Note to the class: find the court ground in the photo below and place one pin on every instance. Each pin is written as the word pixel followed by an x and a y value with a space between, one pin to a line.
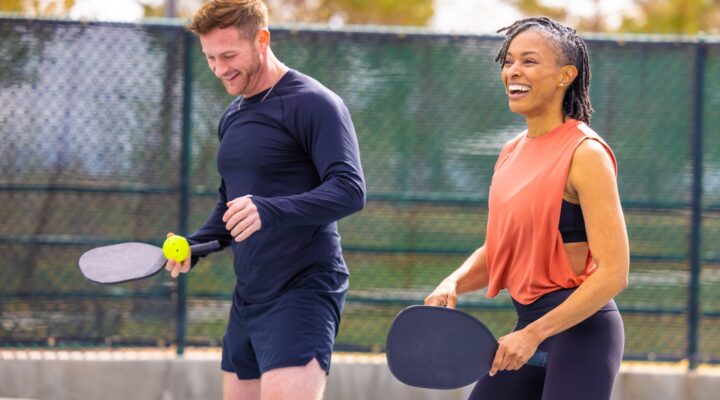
pixel 160 374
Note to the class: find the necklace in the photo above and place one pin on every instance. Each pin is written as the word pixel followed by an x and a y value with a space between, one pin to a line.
pixel 263 98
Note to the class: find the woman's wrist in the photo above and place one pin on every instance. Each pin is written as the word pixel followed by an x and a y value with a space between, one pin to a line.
pixel 536 332
pixel 451 281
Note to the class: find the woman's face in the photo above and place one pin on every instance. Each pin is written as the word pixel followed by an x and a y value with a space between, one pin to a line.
pixel 531 75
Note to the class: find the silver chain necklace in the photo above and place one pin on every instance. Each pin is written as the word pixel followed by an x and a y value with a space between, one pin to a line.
pixel 263 98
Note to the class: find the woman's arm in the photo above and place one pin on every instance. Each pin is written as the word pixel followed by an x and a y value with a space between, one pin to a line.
pixel 472 275
pixel 592 175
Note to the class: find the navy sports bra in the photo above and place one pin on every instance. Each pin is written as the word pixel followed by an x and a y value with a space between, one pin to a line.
pixel 572 223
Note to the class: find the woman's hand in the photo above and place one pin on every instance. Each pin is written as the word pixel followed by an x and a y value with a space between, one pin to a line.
pixel 514 350
pixel 443 295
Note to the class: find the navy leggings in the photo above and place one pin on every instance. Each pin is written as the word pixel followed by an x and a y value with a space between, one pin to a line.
pixel 582 361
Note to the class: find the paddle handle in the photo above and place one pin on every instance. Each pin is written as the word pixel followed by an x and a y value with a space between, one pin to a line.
pixel 539 359
pixel 206 248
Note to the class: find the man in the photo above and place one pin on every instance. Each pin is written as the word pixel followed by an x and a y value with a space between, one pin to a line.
pixel 290 168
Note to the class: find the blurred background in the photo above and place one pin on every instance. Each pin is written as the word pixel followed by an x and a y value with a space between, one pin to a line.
pixel 108 117
pixel 636 16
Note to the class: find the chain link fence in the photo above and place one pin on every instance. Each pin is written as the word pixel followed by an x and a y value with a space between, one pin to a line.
pixel 108 134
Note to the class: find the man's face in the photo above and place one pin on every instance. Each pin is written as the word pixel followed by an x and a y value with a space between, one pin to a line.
pixel 233 59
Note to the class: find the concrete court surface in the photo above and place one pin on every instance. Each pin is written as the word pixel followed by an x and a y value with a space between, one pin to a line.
pixel 159 374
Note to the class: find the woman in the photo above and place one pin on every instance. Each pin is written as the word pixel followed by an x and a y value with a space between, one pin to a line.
pixel 556 237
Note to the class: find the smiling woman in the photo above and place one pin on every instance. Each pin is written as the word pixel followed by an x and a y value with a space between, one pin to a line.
pixel 553 198
pixel 544 53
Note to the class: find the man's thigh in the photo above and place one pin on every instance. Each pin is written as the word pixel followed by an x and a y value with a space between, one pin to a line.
pixel 236 389
pixel 290 331
pixel 298 327
pixel 297 383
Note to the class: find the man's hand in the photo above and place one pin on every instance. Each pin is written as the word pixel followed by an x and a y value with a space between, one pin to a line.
pixel 242 218
pixel 175 268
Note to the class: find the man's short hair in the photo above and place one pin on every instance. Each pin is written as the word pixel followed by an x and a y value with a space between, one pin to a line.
pixel 249 16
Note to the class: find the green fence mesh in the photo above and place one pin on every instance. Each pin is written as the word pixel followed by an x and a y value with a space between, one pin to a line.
pixel 94 119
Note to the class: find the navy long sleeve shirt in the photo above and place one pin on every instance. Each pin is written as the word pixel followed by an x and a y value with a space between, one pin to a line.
pixel 297 154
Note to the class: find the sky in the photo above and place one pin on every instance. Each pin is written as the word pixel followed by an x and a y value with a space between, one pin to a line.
pixel 477 16
pixel 120 10
pixel 486 16
pixel 612 10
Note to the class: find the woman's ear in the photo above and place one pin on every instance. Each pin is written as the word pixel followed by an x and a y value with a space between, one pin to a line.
pixel 568 74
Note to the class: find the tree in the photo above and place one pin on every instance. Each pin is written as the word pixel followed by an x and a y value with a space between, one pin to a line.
pixel 37 7
pixel 596 22
pixel 535 7
pixel 653 16
pixel 381 12
pixel 674 16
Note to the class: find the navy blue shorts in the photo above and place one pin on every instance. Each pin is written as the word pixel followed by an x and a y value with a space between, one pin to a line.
pixel 582 361
pixel 289 331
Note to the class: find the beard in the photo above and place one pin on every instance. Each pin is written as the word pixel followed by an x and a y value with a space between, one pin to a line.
pixel 247 79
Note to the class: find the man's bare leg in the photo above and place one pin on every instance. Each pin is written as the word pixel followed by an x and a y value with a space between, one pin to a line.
pixel 294 383
pixel 240 389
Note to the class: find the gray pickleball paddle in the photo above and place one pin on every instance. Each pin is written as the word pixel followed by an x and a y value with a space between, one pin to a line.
pixel 125 262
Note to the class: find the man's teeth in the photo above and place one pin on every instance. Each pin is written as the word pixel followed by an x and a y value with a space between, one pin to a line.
pixel 518 88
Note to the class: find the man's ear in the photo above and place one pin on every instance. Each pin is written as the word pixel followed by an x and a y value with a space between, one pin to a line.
pixel 262 40
pixel 568 74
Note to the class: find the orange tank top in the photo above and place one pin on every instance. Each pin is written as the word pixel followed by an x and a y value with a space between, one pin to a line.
pixel 525 251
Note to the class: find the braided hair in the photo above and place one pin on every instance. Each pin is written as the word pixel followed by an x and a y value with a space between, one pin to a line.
pixel 571 50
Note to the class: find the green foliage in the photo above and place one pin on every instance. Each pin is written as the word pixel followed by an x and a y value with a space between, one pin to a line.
pixel 36 7
pixel 13 6
pixel 595 23
pixel 378 12
pixel 150 11
pixel 386 12
pixel 653 16
pixel 674 17
pixel 535 7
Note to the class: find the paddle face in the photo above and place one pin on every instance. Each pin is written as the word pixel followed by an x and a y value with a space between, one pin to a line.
pixel 442 348
pixel 122 262
pixel 439 348
pixel 125 262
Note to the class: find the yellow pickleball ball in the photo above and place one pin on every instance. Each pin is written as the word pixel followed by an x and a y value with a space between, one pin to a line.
pixel 176 248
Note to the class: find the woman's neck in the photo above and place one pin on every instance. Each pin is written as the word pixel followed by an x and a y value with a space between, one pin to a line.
pixel 540 125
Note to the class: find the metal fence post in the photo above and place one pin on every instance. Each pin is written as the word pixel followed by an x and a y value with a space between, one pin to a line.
pixel 696 204
pixel 181 309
